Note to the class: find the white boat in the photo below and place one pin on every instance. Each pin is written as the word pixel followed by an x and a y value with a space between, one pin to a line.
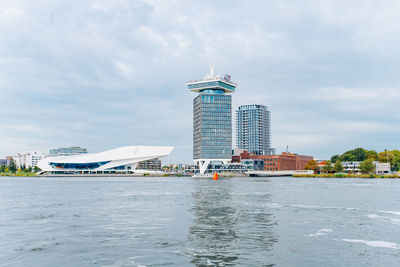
pixel 205 175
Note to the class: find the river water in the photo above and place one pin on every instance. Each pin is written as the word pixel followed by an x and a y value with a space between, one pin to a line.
pixel 121 221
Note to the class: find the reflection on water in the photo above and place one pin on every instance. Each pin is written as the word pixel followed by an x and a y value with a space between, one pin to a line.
pixel 229 226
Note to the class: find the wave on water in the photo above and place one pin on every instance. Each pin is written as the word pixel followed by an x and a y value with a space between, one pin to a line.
pixel 390 212
pixel 347 208
pixel 322 231
pixel 274 205
pixel 376 216
pixel 379 244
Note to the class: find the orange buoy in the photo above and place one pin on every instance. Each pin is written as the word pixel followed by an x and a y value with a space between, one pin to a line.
pixel 215 177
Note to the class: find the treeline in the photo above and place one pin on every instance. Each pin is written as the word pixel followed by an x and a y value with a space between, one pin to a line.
pixel 367 156
pixel 12 168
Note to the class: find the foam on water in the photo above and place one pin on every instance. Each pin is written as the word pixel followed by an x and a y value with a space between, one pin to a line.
pixel 274 205
pixel 390 212
pixel 379 244
pixel 375 216
pixel 347 208
pixel 322 231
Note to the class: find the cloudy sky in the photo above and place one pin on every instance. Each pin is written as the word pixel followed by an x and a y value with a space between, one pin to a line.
pixel 102 74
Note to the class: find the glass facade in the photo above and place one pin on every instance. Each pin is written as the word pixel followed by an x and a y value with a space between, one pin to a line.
pixel 67 151
pixel 212 125
pixel 78 166
pixel 212 118
pixel 253 132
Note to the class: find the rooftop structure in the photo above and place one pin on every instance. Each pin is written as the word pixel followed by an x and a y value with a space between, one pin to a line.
pixel 67 151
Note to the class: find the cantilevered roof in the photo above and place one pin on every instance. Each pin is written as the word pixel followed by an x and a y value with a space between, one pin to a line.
pixel 212 83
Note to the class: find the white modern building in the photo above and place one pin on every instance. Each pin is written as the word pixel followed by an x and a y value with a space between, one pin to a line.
pixel 120 160
pixel 27 159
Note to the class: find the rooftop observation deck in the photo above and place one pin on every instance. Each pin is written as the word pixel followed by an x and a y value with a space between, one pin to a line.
pixel 212 83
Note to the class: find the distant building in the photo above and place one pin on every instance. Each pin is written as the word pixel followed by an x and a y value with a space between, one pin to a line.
pixel 212 119
pixel 151 164
pixel 253 164
pixel 351 166
pixel 67 151
pixel 354 167
pixel 9 159
pixel 382 168
pixel 3 161
pixel 27 159
pixel 253 129
pixel 283 162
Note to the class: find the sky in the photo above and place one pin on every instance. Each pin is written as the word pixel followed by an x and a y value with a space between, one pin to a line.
pixel 103 74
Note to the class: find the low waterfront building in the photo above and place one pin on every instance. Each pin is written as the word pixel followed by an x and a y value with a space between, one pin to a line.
pixel 151 164
pixel 235 167
pixel 351 166
pixel 119 160
pixel 27 159
pixel 382 168
pixel 283 162
pixel 253 164
pixel 3 161
pixel 8 160
pixel 67 151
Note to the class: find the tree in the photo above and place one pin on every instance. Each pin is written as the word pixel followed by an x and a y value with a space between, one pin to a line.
pixel 335 158
pixel 360 154
pixel 36 169
pixel 327 167
pixel 357 154
pixel 338 167
pixel 395 164
pixel 367 166
pixel 347 156
pixel 371 154
pixel 13 167
pixel 2 168
pixel 311 165
pixel 385 156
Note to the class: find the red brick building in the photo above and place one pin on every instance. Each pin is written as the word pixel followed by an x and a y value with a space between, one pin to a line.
pixel 282 162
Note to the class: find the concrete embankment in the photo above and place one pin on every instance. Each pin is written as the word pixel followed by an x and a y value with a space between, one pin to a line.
pixel 279 173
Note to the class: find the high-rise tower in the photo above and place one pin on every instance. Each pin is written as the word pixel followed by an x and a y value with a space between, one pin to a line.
pixel 253 132
pixel 212 119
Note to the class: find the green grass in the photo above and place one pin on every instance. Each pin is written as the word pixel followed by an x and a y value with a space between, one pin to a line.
pixel 19 174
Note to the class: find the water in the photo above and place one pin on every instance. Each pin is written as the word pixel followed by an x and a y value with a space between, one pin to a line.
pixel 120 221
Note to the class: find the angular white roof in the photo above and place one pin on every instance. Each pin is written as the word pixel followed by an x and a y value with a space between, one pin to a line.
pixel 121 153
pixel 126 155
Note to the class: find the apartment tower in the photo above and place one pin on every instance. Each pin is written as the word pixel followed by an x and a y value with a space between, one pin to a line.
pixel 253 130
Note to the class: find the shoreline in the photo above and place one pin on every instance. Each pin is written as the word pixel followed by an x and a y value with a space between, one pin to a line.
pixel 340 175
